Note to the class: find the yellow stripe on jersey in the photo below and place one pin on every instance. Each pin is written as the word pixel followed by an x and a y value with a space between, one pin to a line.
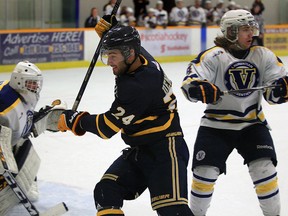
pixel 110 177
pixel 111 125
pixel 205 53
pixel 3 84
pixel 150 118
pixel 15 104
pixel 98 129
pixel 110 212
pixel 155 129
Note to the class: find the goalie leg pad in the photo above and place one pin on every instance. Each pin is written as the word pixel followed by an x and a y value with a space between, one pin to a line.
pixel 204 178
pixel 28 162
pixel 264 176
pixel 6 150
pixel 7 199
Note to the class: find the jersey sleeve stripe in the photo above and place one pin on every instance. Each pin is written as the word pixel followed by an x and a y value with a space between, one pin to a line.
pixel 98 129
pixel 111 125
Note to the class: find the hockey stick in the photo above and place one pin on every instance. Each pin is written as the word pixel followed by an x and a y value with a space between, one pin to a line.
pixel 57 210
pixel 259 88
pixel 92 63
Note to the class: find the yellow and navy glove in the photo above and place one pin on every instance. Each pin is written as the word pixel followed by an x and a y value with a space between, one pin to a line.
pixel 282 90
pixel 201 90
pixel 105 23
pixel 70 120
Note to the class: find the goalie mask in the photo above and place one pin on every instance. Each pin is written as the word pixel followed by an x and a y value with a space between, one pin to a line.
pixel 233 20
pixel 123 38
pixel 27 80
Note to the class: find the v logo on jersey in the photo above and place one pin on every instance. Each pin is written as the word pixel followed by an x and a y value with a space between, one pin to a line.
pixel 243 77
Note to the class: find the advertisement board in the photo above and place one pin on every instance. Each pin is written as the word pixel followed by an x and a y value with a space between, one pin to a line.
pixel 41 47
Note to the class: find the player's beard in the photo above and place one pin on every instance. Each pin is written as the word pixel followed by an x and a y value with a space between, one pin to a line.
pixel 121 68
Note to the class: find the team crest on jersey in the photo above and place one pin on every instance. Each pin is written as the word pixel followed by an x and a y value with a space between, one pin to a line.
pixel 29 123
pixel 200 155
pixel 241 75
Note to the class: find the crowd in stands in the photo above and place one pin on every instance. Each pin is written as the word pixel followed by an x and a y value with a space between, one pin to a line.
pixel 176 13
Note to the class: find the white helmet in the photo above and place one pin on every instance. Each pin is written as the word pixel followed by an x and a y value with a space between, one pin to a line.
pixel 27 80
pixel 233 19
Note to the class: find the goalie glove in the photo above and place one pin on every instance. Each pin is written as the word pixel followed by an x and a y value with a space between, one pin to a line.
pixel 105 23
pixel 70 120
pixel 47 117
pixel 201 90
pixel 281 91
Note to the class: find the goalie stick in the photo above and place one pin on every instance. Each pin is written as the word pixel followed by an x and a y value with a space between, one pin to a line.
pixel 56 210
pixel 259 88
pixel 92 63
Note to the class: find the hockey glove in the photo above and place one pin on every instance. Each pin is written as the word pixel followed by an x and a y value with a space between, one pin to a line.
pixel 70 120
pixel 105 23
pixel 47 117
pixel 281 91
pixel 198 90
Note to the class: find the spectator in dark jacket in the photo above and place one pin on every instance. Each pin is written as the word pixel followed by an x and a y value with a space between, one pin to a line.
pixel 92 20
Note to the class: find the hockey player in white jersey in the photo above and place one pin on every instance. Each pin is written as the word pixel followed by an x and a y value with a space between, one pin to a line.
pixel 235 121
pixel 18 98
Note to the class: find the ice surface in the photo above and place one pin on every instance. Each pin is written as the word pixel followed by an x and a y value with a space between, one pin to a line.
pixel 71 166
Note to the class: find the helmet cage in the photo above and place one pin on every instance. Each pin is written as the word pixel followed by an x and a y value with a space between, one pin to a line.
pixel 230 25
pixel 27 80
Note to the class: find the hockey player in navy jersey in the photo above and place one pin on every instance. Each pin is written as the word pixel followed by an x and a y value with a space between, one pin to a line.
pixel 235 121
pixel 18 99
pixel 145 111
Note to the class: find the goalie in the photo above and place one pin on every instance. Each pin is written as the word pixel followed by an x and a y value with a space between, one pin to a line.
pixel 18 99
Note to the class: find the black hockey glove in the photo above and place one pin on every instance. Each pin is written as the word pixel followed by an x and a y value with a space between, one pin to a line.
pixel 70 120
pixel 105 23
pixel 281 91
pixel 202 91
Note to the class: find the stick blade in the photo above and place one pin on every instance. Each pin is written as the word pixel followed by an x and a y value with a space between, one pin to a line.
pixel 56 210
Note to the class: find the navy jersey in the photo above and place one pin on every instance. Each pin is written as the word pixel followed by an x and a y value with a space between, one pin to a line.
pixel 144 109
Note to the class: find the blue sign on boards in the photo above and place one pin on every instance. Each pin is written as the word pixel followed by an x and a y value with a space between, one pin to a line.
pixel 42 47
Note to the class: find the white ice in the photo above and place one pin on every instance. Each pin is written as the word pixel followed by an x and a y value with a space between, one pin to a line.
pixel 71 166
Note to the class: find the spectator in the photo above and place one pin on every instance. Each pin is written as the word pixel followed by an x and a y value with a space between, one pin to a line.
pixel 179 14
pixel 257 12
pixel 128 18
pixel 260 3
pixel 219 12
pixel 92 20
pixel 161 15
pixel 231 6
pixel 150 21
pixel 197 15
pixel 140 10
pixel 107 9
pixel 209 10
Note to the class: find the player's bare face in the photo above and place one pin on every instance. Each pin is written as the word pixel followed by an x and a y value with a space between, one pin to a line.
pixel 245 36
pixel 116 61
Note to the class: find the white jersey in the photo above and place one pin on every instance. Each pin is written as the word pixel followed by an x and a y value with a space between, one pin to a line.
pixel 14 113
pixel 259 68
pixel 162 17
pixel 179 14
pixel 197 15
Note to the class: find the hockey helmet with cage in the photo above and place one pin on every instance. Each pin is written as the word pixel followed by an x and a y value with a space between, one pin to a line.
pixel 233 19
pixel 123 38
pixel 27 80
